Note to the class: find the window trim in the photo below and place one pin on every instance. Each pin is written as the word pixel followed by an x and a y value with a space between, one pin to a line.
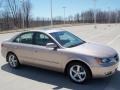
pixel 33 38
pixel 14 40
pixel 47 36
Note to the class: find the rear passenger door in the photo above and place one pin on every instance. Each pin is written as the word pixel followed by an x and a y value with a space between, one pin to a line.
pixel 23 47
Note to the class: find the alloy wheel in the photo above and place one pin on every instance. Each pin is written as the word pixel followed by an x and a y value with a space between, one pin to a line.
pixel 12 59
pixel 77 73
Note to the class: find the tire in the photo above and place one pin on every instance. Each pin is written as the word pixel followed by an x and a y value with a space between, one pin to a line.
pixel 78 72
pixel 13 60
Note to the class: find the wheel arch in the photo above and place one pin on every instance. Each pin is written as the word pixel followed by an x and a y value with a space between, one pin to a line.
pixel 79 61
pixel 9 52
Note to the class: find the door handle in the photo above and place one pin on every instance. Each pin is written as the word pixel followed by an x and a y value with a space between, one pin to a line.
pixel 17 47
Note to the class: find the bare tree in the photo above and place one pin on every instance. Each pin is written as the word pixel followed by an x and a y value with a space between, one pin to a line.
pixel 27 12
pixel 13 14
pixel 77 17
pixel 13 6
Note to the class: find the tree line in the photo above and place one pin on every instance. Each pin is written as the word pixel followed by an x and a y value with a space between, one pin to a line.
pixel 17 14
pixel 101 16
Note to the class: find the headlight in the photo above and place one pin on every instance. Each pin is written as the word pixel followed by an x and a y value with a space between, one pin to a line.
pixel 101 61
pixel 105 60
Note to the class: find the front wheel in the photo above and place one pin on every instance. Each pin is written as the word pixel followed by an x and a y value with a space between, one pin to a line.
pixel 12 60
pixel 78 72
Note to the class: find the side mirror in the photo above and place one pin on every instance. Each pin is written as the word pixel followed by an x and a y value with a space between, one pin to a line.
pixel 51 45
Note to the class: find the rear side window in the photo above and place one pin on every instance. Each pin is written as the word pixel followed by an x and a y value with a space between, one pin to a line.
pixel 26 38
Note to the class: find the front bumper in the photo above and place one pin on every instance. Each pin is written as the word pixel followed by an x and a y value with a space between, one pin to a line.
pixel 99 72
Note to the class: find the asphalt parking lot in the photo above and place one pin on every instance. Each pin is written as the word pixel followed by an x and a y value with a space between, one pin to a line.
pixel 30 78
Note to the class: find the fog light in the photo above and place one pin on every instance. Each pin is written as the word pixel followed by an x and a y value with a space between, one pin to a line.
pixel 108 73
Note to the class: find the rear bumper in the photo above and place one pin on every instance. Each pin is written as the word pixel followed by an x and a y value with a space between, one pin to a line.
pixel 4 52
pixel 99 72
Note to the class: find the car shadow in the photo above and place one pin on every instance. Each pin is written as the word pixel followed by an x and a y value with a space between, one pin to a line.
pixel 61 81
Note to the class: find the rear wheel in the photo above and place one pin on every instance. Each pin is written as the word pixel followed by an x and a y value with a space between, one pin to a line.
pixel 13 60
pixel 78 72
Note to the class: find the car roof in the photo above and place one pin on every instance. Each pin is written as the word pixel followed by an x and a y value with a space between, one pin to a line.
pixel 47 30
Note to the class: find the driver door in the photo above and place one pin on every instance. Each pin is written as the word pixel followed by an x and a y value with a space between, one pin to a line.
pixel 43 55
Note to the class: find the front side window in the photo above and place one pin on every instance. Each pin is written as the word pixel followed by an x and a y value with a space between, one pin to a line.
pixel 42 39
pixel 67 39
pixel 26 38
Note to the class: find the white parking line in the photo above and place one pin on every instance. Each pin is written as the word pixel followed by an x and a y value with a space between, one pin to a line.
pixel 113 40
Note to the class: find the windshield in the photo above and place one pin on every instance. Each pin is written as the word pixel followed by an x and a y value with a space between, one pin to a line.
pixel 67 39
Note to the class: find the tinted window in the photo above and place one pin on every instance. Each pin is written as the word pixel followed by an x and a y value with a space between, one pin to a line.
pixel 42 39
pixel 25 38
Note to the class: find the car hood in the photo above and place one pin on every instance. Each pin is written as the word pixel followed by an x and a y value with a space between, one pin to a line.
pixel 96 50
